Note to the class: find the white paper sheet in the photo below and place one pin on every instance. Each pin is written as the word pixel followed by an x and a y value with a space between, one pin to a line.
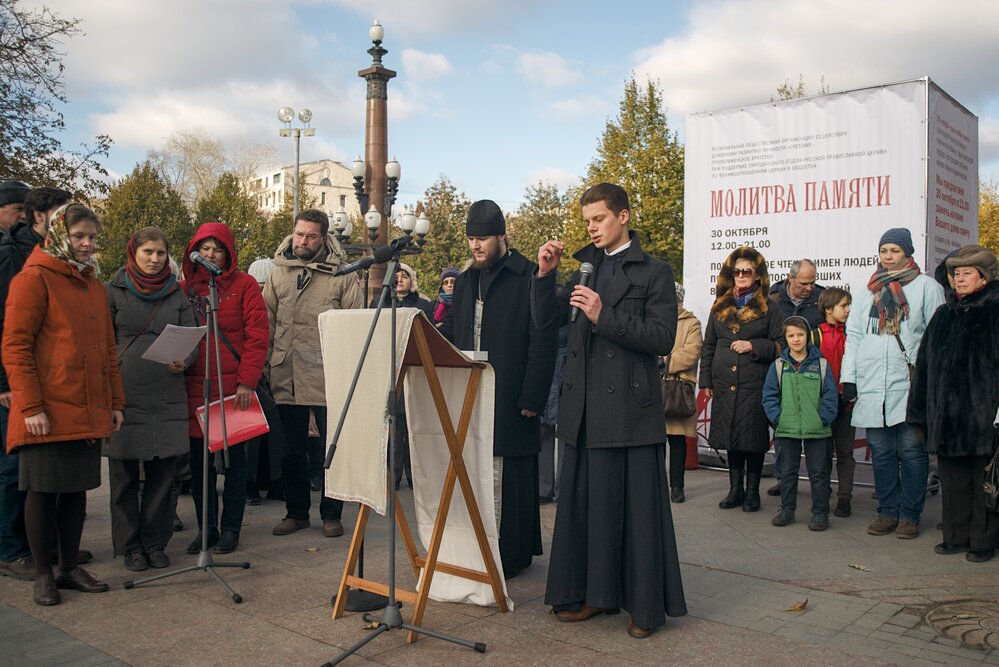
pixel 174 344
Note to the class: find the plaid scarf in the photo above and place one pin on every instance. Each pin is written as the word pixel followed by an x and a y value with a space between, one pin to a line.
pixel 57 243
pixel 890 307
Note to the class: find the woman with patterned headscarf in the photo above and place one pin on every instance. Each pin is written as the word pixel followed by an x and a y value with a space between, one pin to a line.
pixel 886 323
pixel 59 354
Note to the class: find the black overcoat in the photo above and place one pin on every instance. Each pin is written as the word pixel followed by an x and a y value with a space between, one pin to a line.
pixel 738 422
pixel 617 390
pixel 956 386
pixel 521 353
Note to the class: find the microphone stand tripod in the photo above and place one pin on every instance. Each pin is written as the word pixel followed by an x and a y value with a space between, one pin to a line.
pixel 391 618
pixel 205 560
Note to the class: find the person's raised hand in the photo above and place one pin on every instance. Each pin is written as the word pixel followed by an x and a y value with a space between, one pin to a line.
pixel 548 257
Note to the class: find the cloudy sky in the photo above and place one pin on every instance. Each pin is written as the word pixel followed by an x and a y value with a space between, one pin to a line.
pixel 494 95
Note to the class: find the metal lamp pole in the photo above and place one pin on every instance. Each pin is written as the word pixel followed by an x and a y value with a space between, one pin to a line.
pixel 286 115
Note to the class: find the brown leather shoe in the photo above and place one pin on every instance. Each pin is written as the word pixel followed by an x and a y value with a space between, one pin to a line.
pixel 46 593
pixel 585 613
pixel 287 526
pixel 637 632
pixel 22 568
pixel 906 530
pixel 80 580
pixel 332 528
pixel 882 526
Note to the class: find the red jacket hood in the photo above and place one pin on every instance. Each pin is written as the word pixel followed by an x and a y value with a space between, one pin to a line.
pixel 216 230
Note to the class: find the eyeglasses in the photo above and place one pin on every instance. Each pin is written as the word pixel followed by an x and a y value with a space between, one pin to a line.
pixel 743 272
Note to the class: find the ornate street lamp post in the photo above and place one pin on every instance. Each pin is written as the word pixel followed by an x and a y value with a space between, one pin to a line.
pixel 286 115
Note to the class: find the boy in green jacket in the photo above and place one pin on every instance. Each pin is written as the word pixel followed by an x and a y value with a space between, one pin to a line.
pixel 801 400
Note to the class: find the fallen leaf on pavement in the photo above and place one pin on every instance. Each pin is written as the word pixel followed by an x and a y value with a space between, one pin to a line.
pixel 799 606
pixel 858 566
pixel 312 550
pixel 962 616
pixel 372 626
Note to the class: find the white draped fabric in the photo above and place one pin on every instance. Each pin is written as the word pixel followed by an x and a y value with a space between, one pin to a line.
pixel 359 472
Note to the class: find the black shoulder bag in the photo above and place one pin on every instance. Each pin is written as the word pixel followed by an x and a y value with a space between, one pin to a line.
pixel 678 395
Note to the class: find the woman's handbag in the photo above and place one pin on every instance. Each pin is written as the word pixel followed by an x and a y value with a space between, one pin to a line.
pixel 678 395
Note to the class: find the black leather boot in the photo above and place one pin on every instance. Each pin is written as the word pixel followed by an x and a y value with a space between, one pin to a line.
pixel 735 493
pixel 752 501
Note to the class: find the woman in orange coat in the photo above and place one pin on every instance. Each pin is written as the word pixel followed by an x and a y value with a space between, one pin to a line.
pixel 59 353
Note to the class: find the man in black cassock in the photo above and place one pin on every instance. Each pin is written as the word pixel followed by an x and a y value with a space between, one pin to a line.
pixel 491 312
pixel 613 547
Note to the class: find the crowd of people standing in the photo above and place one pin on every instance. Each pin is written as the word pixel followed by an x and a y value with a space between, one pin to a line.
pixel 578 368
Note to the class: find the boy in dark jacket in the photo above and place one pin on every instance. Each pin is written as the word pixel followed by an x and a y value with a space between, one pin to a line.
pixel 800 400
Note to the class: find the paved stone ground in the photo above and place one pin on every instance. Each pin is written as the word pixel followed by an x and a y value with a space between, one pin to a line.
pixel 740 576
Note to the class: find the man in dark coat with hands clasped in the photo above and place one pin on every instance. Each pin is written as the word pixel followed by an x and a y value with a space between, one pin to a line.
pixel 613 545
pixel 491 312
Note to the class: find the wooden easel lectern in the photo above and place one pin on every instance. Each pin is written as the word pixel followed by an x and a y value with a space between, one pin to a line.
pixel 427 349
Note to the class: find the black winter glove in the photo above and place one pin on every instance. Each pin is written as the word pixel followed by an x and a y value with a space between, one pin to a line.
pixel 849 392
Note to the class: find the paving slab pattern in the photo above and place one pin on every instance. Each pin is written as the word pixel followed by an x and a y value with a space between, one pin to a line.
pixel 741 575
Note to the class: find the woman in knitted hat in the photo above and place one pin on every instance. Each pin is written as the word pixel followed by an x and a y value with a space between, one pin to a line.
pixel 953 400
pixel 886 322
pixel 445 292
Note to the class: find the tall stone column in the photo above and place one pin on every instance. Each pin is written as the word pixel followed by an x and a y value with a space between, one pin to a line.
pixel 376 148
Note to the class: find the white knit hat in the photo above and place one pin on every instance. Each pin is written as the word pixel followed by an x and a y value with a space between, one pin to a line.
pixel 260 269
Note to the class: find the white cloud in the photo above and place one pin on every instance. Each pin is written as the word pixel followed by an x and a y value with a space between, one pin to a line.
pixel 435 17
pixel 422 66
pixel 737 52
pixel 577 107
pixel 239 112
pixel 560 178
pixel 547 69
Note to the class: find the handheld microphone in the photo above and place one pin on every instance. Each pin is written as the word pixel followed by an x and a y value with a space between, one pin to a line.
pixel 585 273
pixel 380 256
pixel 208 266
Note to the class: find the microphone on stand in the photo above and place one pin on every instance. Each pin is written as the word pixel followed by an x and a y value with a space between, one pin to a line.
pixel 208 266
pixel 585 273
pixel 379 256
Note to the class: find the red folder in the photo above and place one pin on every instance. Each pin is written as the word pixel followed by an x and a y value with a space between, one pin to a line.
pixel 240 425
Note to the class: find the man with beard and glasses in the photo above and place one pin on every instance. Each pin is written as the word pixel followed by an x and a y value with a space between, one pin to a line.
pixel 300 287
pixel 491 312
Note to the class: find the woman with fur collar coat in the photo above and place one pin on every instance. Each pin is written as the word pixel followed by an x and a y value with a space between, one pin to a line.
pixel 740 342
pixel 953 397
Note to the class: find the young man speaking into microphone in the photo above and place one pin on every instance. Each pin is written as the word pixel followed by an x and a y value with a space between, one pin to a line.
pixel 613 547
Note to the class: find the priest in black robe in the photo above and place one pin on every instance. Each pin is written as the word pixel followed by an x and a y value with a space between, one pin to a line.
pixel 613 547
pixel 491 312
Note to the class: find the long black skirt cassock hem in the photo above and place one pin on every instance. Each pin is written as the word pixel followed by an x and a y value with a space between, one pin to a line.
pixel 520 524
pixel 614 544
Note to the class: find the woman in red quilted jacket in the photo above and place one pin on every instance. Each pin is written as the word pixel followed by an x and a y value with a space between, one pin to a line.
pixel 242 318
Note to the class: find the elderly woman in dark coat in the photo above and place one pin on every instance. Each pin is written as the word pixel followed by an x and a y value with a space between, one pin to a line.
pixel 145 298
pixel 953 399
pixel 740 343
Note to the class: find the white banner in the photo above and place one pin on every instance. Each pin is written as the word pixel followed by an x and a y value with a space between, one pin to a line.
pixel 952 211
pixel 820 177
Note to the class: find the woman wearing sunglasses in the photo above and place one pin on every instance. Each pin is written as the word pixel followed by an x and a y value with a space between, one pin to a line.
pixel 740 343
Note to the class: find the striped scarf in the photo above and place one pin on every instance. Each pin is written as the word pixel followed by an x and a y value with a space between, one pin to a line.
pixel 890 307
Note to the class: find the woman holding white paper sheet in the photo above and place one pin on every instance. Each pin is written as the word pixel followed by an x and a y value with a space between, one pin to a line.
pixel 145 297
pixel 243 328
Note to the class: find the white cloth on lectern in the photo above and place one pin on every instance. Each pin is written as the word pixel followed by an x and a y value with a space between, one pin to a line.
pixel 359 473
pixel 429 455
